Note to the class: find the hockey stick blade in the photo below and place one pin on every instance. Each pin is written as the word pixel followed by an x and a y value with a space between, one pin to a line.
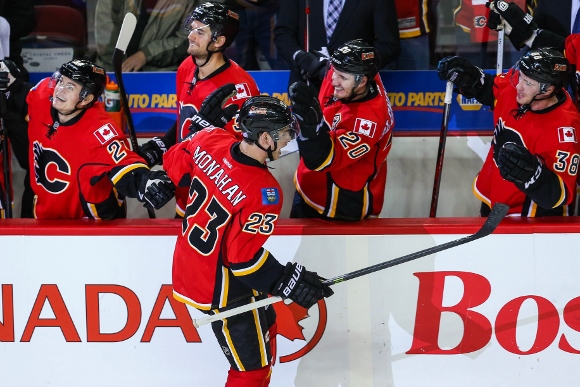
pixel 496 215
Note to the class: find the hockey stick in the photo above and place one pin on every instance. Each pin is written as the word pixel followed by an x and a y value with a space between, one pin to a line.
pixel 496 215
pixel 441 150
pixel 307 29
pixel 499 63
pixel 127 29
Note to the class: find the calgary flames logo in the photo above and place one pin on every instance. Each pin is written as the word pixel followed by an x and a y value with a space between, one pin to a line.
pixel 288 318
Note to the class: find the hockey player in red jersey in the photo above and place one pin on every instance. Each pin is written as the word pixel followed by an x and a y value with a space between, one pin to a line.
pixel 533 160
pixel 233 205
pixel 81 165
pixel 343 144
pixel 213 27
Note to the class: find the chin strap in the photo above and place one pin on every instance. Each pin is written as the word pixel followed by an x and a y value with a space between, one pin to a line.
pixel 269 151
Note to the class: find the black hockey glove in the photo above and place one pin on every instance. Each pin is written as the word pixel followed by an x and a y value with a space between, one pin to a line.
pixel 212 112
pixel 460 72
pixel 307 110
pixel 520 25
pixel 301 286
pixel 156 189
pixel 518 165
pixel 313 64
pixel 10 76
pixel 153 150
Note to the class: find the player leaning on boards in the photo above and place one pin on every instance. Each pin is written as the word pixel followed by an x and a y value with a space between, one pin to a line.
pixel 82 165
pixel 533 160
pixel 346 134
pixel 212 28
pixel 219 262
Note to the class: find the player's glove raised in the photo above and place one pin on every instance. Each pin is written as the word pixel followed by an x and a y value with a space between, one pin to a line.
pixel 10 76
pixel 519 26
pixel 153 150
pixel 212 111
pixel 312 63
pixel 156 189
pixel 301 286
pixel 518 165
pixel 307 110
pixel 460 72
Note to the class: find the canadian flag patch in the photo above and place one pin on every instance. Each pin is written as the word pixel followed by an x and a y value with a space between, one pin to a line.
pixel 105 133
pixel 567 134
pixel 365 127
pixel 242 91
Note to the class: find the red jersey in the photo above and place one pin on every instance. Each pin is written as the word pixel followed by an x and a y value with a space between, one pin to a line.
pixel 413 17
pixel 192 91
pixel 233 205
pixel 550 134
pixel 75 164
pixel 472 15
pixel 350 182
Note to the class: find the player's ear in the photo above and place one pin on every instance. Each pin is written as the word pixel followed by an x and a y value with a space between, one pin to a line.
pixel 87 100
pixel 550 89
pixel 220 41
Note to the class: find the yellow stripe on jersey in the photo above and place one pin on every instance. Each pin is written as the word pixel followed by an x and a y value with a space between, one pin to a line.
pixel 225 287
pixel 179 211
pixel 478 194
pixel 256 266
pixel 328 160
pixel 412 33
pixel 93 211
pixel 233 351
pixel 263 357
pixel 333 201
pixel 425 13
pixel 365 208
pixel 532 210
pixel 119 175
pixel 189 301
pixel 562 193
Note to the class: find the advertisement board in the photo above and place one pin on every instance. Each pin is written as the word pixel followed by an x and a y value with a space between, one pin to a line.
pixel 416 97
pixel 94 308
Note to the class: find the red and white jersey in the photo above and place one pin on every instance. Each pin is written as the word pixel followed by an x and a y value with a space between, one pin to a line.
pixel 472 16
pixel 553 135
pixel 413 17
pixel 191 93
pixel 233 205
pixel 350 182
pixel 74 164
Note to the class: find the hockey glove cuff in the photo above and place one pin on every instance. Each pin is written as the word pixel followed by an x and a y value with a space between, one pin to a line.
pixel 153 150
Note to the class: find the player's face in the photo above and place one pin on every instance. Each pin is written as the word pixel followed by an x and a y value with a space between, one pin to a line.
pixel 344 84
pixel 526 89
pixel 199 37
pixel 66 95
pixel 284 137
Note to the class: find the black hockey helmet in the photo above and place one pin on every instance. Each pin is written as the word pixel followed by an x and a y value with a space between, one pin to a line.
pixel 265 114
pixel 90 76
pixel 355 57
pixel 545 65
pixel 220 19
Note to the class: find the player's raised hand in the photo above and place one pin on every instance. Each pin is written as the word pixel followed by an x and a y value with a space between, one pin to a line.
pixel 313 64
pixel 212 111
pixel 306 108
pixel 519 25
pixel 460 72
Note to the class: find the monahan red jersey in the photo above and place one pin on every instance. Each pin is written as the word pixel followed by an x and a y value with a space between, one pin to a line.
pixel 75 164
pixel 350 181
pixel 233 205
pixel 192 91
pixel 413 17
pixel 552 134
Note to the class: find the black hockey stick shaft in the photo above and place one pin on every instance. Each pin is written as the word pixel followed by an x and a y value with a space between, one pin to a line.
pixel 498 212
pixel 127 29
pixel 5 160
pixel 496 215
pixel 441 150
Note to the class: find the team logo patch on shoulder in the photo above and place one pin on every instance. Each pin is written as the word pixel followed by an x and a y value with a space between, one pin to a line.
pixel 105 133
pixel 270 196
pixel 242 91
pixel 365 127
pixel 567 134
